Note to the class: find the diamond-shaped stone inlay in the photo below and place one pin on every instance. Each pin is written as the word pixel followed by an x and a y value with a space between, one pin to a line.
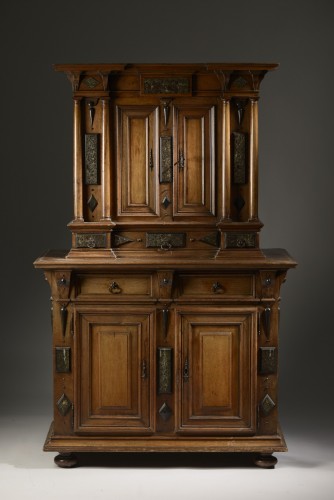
pixel 267 404
pixel 64 405
pixel 92 203
pixel 165 412
pixel 165 202
pixel 91 82
pixel 210 239
pixel 239 203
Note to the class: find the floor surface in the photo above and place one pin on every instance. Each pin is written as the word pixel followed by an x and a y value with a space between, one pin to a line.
pixel 26 472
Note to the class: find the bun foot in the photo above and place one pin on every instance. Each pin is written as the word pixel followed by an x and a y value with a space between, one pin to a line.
pixel 66 460
pixel 265 461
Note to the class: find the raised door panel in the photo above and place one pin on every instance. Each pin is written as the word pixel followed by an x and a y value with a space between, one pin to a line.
pixel 113 351
pixel 194 187
pixel 218 383
pixel 137 157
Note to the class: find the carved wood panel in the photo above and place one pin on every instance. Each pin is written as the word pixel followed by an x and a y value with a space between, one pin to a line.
pixel 137 160
pixel 194 160
pixel 114 357
pixel 218 373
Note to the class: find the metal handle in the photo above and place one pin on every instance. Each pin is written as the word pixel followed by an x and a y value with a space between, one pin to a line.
pixel 114 287
pixel 151 163
pixel 186 370
pixel 143 369
pixel 181 159
pixel 166 246
pixel 217 287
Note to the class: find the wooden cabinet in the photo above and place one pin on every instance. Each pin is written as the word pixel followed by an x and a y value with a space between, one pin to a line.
pixel 165 309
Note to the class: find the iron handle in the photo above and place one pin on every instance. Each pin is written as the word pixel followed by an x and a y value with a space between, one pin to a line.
pixel 143 369
pixel 181 159
pixel 186 370
pixel 151 163
pixel 217 287
pixel 114 287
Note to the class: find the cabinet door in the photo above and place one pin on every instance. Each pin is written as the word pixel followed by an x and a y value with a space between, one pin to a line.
pixel 194 186
pixel 137 160
pixel 113 356
pixel 218 372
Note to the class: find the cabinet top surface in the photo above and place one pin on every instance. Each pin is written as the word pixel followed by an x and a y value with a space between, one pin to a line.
pixel 271 258
pixel 212 66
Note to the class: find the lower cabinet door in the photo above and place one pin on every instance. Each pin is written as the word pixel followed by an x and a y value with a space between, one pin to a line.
pixel 218 372
pixel 113 359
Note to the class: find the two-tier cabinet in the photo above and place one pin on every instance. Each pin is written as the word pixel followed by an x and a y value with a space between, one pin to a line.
pixel 165 310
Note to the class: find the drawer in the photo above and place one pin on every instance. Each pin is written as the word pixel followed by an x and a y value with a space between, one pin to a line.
pixel 213 285
pixel 115 285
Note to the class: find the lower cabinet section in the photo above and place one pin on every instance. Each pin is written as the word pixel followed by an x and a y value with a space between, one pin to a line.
pixel 166 370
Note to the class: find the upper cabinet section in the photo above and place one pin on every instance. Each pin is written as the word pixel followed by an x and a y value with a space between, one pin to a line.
pixel 166 146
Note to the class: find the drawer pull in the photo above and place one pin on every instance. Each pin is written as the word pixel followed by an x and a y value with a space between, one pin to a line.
pixel 217 288
pixel 186 371
pixel 143 369
pixel 114 287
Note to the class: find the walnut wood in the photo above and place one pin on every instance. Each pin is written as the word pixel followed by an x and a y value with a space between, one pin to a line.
pixel 166 264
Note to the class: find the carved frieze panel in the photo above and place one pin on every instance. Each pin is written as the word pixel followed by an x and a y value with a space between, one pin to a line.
pixel 240 240
pixel 85 240
pixel 161 85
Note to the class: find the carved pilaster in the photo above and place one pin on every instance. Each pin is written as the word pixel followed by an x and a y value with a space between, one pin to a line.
pixel 77 162
pixel 253 161
pixel 226 163
pixel 105 164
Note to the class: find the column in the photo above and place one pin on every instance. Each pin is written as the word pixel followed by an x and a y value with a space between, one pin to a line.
pixel 105 161
pixel 226 161
pixel 77 161
pixel 253 161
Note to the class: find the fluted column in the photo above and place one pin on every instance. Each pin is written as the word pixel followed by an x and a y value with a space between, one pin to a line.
pixel 105 161
pixel 226 161
pixel 77 161
pixel 253 161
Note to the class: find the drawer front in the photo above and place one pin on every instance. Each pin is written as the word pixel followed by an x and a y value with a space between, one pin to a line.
pixel 115 285
pixel 219 286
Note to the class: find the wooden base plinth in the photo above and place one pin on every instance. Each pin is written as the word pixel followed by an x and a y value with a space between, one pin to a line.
pixel 261 446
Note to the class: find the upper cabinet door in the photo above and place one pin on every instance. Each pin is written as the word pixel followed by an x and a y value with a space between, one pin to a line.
pixel 137 160
pixel 194 158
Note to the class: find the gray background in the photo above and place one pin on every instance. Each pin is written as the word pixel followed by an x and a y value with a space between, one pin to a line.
pixel 296 164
